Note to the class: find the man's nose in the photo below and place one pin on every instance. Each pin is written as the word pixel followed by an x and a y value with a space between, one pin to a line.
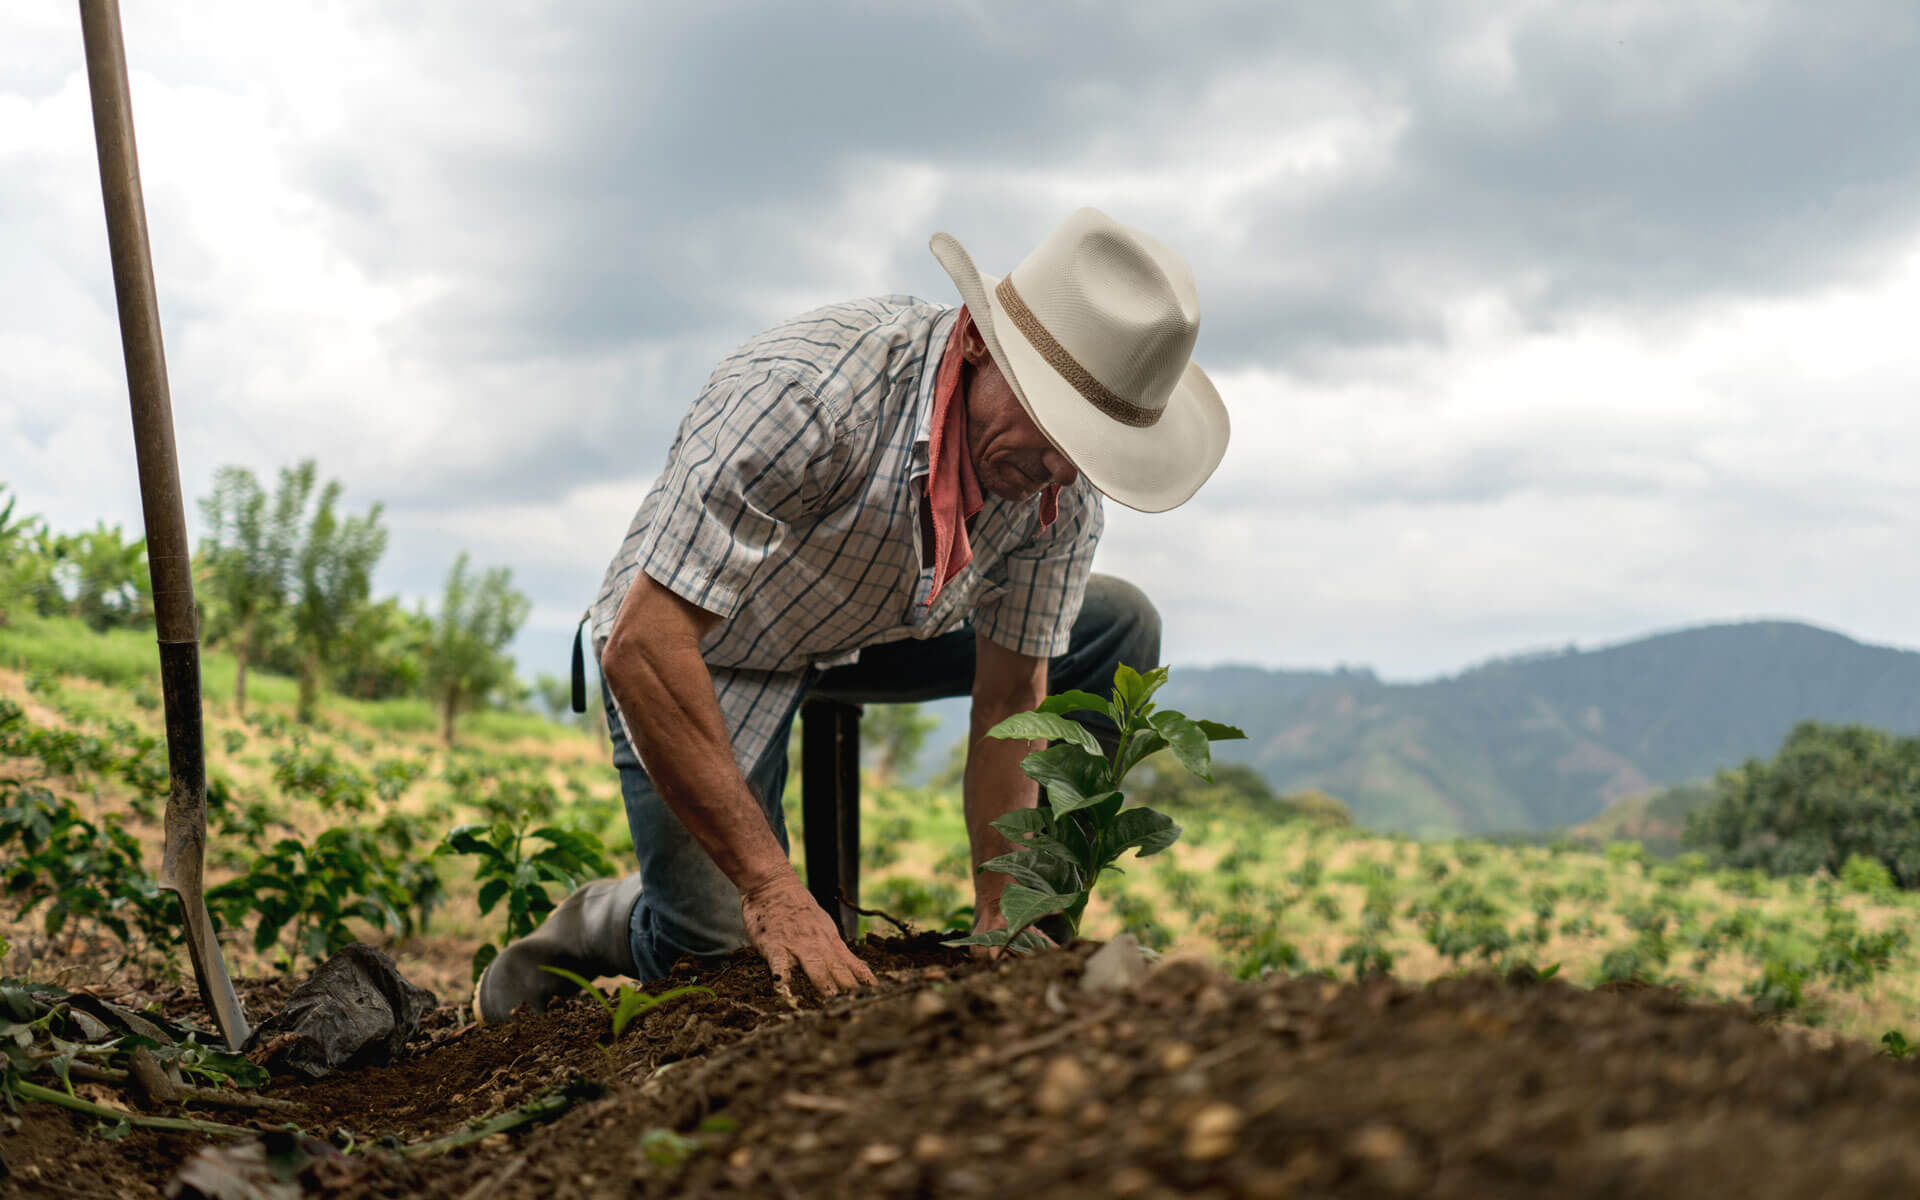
pixel 1058 469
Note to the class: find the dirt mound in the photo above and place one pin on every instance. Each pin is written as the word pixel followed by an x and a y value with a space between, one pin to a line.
pixel 964 1079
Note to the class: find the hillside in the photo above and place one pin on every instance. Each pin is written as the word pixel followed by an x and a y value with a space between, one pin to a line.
pixel 1546 741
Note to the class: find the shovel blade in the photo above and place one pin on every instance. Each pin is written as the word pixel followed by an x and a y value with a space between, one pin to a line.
pixel 210 970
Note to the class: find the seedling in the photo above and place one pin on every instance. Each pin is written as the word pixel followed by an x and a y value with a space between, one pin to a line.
pixel 628 1001
pixel 1081 825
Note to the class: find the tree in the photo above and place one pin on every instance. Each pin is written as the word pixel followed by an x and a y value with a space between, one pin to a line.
pixel 98 577
pixel 467 660
pixel 332 578
pixel 246 561
pixel 384 652
pixel 1832 792
pixel 20 563
pixel 895 734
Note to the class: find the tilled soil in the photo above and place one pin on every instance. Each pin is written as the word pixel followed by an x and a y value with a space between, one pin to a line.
pixel 962 1078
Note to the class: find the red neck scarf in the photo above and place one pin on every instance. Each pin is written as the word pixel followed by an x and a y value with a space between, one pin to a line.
pixel 953 491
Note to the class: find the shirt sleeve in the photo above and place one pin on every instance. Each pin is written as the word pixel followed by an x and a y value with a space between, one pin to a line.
pixel 754 455
pixel 1044 579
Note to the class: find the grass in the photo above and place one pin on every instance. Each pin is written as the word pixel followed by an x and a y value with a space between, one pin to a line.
pixel 63 647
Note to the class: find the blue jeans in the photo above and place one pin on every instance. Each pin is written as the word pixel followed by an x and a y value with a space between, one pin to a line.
pixel 688 907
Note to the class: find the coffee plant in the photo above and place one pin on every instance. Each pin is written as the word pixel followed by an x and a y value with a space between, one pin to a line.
pixel 1081 825
pixel 510 866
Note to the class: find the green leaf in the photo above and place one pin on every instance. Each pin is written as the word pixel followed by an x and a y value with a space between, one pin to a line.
pixel 1151 831
pixel 1143 743
pixel 481 957
pixel 1074 700
pixel 1187 741
pixel 633 1002
pixel 466 839
pixel 1022 906
pixel 1151 682
pixel 1029 829
pixel 490 893
pixel 1045 725
pixel 1035 869
pixel 1216 732
pixel 1128 688
pixel 992 937
pixel 265 934
pixel 1073 778
pixel 1027 941
pixel 581 982
pixel 1063 802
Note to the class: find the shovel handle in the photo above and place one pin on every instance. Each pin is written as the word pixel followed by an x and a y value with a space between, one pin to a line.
pixel 169 561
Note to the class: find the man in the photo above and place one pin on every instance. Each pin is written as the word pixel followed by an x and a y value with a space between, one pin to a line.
pixel 879 501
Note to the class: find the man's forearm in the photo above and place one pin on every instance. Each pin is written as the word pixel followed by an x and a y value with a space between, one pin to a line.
pixel 994 786
pixel 688 755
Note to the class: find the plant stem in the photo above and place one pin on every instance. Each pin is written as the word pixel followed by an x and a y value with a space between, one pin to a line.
pixel 543 1109
pixel 33 1091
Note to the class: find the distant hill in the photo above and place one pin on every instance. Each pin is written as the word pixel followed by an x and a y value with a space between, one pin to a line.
pixel 1548 740
pixel 1657 819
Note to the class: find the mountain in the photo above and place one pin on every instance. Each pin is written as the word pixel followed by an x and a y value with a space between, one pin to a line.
pixel 1543 741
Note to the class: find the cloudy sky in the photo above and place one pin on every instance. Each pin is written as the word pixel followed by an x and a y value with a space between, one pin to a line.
pixel 1537 322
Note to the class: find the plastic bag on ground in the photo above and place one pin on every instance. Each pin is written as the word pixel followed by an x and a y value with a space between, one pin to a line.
pixel 355 1010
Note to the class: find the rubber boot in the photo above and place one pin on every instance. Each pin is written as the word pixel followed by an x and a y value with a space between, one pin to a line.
pixel 587 934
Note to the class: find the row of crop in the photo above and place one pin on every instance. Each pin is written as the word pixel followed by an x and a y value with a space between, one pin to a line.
pixel 297 895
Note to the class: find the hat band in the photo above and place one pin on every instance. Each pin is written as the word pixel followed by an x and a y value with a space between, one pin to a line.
pixel 1092 390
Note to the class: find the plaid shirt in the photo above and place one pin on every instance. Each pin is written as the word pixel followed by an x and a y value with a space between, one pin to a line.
pixel 790 507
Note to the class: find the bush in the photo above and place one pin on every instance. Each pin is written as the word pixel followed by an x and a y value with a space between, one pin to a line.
pixel 1866 875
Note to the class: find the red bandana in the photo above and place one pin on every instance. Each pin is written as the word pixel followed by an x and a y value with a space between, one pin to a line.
pixel 953 492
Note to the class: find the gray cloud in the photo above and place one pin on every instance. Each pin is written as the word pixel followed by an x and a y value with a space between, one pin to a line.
pixel 586 206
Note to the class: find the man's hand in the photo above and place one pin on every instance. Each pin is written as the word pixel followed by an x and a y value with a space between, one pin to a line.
pixel 987 916
pixel 788 928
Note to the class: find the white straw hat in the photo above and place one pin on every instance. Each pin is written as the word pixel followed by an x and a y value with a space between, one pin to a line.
pixel 1094 332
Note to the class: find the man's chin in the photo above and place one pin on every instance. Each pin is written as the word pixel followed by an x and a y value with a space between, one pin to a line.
pixel 1012 494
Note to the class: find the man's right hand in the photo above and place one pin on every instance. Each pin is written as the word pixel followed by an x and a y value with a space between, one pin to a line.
pixel 789 929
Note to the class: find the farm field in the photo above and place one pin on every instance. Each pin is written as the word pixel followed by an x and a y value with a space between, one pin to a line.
pixel 1288 1063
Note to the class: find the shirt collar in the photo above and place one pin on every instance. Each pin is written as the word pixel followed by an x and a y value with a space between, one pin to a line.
pixel 923 401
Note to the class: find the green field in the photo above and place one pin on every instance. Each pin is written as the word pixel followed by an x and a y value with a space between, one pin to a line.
pixel 1256 896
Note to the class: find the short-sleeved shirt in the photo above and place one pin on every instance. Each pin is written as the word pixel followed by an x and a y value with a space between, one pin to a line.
pixel 790 507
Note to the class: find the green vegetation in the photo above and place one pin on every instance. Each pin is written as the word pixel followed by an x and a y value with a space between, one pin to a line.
pixel 365 821
pixel 283 581
pixel 1082 825
pixel 1835 799
pixel 467 657
pixel 508 865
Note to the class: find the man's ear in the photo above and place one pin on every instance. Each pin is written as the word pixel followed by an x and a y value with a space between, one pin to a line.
pixel 974 348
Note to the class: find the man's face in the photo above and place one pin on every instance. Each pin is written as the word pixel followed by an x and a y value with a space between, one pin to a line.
pixel 1011 457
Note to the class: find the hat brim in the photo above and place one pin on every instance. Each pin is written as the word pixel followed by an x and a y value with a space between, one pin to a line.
pixel 1152 468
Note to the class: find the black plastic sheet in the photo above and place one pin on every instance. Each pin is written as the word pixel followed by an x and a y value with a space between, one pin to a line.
pixel 355 1010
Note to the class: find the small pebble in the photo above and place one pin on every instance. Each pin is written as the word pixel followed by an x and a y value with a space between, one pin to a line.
pixel 1062 1088
pixel 1176 1057
pixel 880 1154
pixel 1130 1181
pixel 1212 1132
pixel 930 1146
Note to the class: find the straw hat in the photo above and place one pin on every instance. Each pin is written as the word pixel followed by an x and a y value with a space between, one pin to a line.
pixel 1094 332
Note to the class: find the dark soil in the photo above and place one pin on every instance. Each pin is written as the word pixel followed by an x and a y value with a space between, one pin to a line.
pixel 966 1079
